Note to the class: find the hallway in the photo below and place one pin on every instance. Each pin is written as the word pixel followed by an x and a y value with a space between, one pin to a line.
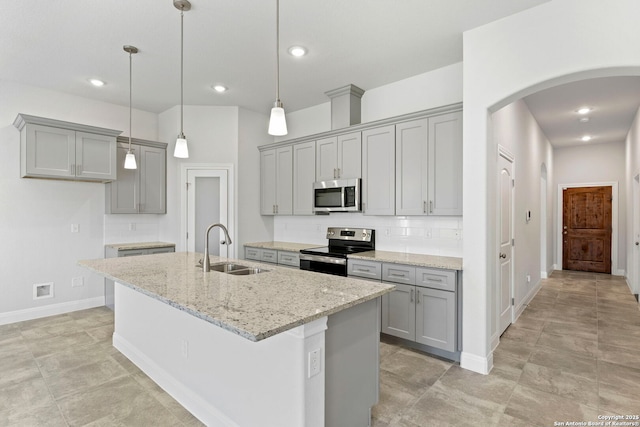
pixel 574 354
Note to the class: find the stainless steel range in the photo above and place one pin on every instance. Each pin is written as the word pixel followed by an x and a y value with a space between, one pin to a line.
pixel 332 259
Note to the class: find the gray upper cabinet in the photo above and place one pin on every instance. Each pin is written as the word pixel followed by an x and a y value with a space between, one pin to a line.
pixel 142 190
pixel 378 171
pixel 445 164
pixel 304 174
pixel 339 157
pixel 62 150
pixel 429 166
pixel 276 181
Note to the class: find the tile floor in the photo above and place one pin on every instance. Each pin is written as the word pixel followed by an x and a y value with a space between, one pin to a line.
pixel 574 354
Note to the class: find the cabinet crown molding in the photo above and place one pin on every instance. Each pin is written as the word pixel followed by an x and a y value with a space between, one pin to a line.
pixel 23 119
pixel 369 125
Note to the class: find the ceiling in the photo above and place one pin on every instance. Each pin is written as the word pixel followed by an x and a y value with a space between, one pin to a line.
pixel 59 45
pixel 614 102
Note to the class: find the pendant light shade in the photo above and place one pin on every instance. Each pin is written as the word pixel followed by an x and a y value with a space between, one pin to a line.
pixel 277 121
pixel 182 150
pixel 130 158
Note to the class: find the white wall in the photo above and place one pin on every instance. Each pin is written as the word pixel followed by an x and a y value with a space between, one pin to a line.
pixel 632 170
pixel 556 42
pixel 428 235
pixel 36 215
pixel 515 129
pixel 594 163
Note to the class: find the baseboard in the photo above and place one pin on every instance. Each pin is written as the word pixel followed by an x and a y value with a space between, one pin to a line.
pixel 472 362
pixel 200 408
pixel 619 272
pixel 50 310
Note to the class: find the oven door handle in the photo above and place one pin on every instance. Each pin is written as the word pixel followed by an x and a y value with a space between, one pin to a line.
pixel 325 259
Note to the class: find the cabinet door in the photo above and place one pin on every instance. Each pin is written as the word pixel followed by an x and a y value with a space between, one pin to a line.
pixel 378 171
pixel 96 156
pixel 327 159
pixel 350 155
pixel 436 318
pixel 304 174
pixel 268 182
pixel 122 194
pixel 284 180
pixel 399 312
pixel 49 152
pixel 445 164
pixel 152 164
pixel 411 168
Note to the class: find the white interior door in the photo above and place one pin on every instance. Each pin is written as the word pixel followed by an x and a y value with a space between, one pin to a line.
pixel 636 235
pixel 505 239
pixel 206 204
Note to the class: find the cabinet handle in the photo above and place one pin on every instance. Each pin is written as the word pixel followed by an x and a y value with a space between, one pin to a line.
pixel 277 208
pixel 424 207
pixel 73 169
pixel 334 173
pixel 417 297
pixel 430 206
pixel 433 279
pixel 412 291
pixel 397 275
pixel 79 170
pixel 273 209
pixel 338 172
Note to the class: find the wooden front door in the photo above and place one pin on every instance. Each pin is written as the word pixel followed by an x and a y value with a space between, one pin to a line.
pixel 586 229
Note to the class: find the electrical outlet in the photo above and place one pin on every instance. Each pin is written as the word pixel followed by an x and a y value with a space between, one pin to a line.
pixel 185 349
pixel 314 362
pixel 77 282
pixel 528 278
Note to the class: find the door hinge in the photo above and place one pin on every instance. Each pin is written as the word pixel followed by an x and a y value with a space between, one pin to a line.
pixel 188 184
pixel 513 182
pixel 187 235
pixel 513 301
pixel 513 242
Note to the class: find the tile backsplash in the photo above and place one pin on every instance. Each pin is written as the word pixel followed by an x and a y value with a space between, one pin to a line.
pixel 424 235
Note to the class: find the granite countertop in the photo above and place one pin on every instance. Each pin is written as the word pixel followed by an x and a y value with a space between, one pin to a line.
pixel 283 246
pixel 419 260
pixel 255 306
pixel 140 245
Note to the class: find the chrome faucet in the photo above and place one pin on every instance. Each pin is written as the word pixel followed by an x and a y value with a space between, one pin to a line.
pixel 205 262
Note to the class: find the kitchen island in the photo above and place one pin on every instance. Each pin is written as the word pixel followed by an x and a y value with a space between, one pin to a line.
pixel 280 348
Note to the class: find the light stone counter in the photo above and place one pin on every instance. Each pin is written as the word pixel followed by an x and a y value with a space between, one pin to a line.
pixel 140 245
pixel 282 246
pixel 419 260
pixel 254 306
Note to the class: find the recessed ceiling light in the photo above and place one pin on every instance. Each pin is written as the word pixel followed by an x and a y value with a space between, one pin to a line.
pixel 584 110
pixel 220 88
pixel 297 51
pixel 584 119
pixel 586 138
pixel 96 82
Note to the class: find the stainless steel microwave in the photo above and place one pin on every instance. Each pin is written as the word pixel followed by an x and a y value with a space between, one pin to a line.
pixel 338 195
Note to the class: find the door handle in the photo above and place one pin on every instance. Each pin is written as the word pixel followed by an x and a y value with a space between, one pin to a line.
pixel 637 243
pixel 223 242
pixel 503 256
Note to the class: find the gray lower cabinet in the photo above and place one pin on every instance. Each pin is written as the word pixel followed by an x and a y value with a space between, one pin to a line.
pixel 422 309
pixel 286 258
pixel 54 149
pixel 113 251
pixel 142 190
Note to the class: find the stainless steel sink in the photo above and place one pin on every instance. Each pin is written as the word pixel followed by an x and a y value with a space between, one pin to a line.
pixel 247 271
pixel 227 267
pixel 231 268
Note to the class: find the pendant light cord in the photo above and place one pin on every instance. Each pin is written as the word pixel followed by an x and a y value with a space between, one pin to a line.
pixel 181 72
pixel 130 98
pixel 278 51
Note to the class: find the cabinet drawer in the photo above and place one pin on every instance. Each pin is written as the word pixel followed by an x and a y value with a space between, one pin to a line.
pixel 253 253
pixel 161 250
pixel 436 278
pixel 367 269
pixel 131 252
pixel 398 273
pixel 269 256
pixel 289 258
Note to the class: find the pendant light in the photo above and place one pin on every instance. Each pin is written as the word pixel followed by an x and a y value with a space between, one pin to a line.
pixel 130 158
pixel 277 122
pixel 181 150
